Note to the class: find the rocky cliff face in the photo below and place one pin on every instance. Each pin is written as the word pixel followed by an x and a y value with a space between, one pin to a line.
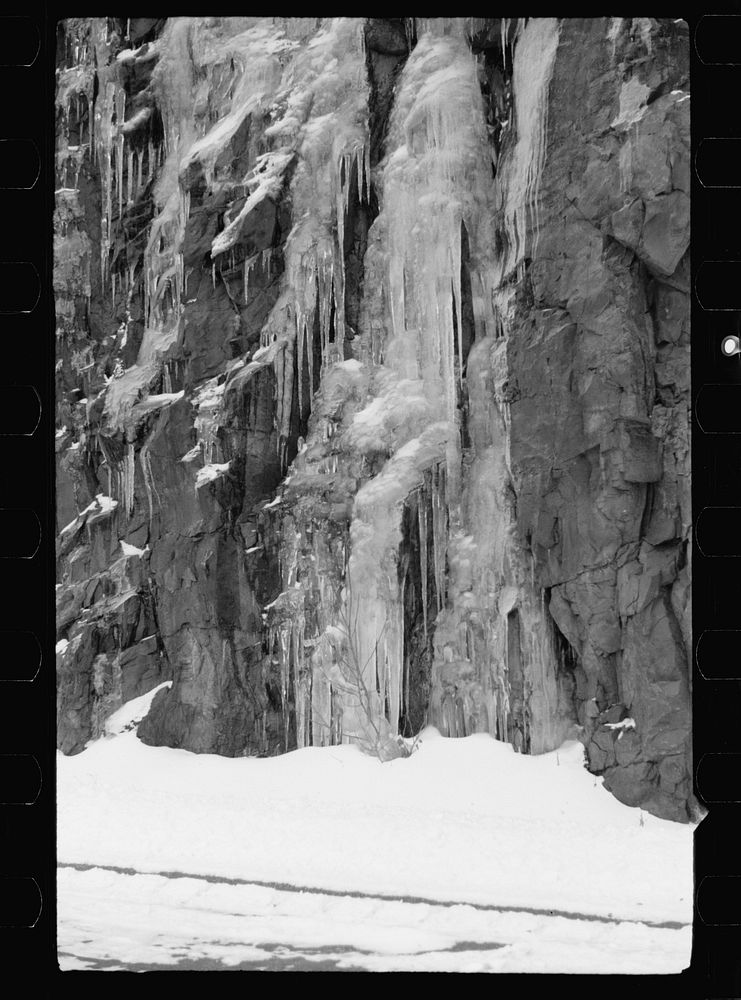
pixel 373 385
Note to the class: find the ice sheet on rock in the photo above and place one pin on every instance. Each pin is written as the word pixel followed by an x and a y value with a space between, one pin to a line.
pixel 100 507
pixel 633 96
pixel 131 125
pixel 210 472
pixel 401 407
pixel 257 56
pixel 320 120
pixel 173 82
pixel 625 724
pixel 324 119
pixel 267 180
pixel 157 401
pixel 518 183
pixel 436 180
pixel 208 401
pixel 122 394
pixel 126 55
pixel 374 607
pixel 195 453
pixel 487 577
pixel 163 264
pixel 132 550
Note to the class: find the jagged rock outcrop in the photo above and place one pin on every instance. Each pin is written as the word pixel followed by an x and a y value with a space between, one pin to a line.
pixel 373 385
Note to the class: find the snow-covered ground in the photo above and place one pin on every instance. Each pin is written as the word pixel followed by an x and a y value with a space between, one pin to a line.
pixel 547 871
pixel 116 921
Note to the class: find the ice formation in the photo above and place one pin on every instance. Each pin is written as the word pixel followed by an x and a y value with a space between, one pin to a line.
pixel 343 418
pixel 433 184
pixel 434 191
pixel 518 184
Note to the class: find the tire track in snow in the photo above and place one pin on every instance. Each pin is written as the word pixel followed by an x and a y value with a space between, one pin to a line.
pixel 357 894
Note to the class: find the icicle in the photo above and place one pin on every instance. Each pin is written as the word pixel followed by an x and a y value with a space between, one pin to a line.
pixel 299 682
pixel 422 519
pixel 342 200
pixel 439 532
pixel 359 161
pixel 310 355
pixel 247 268
pixel 324 293
pixel 406 686
pixel 119 173
pixel 287 399
pixel 128 479
pixel 146 468
pixel 129 176
pixel 321 708
pixel 300 344
pixel 458 303
pixel 278 367
pixel 394 643
pixel 285 655
pixel 339 315
pixel 409 28
pixel 106 221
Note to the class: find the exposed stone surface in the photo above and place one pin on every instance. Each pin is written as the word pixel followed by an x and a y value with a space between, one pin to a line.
pixel 562 606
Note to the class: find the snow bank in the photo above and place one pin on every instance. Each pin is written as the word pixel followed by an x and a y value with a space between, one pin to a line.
pixel 467 820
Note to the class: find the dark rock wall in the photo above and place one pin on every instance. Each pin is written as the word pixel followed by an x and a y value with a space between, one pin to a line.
pixel 599 396
pixel 223 455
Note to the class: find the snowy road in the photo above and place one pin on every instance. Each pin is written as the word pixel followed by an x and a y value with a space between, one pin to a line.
pixel 120 920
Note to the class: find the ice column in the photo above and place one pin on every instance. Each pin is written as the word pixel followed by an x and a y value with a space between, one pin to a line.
pixel 436 178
